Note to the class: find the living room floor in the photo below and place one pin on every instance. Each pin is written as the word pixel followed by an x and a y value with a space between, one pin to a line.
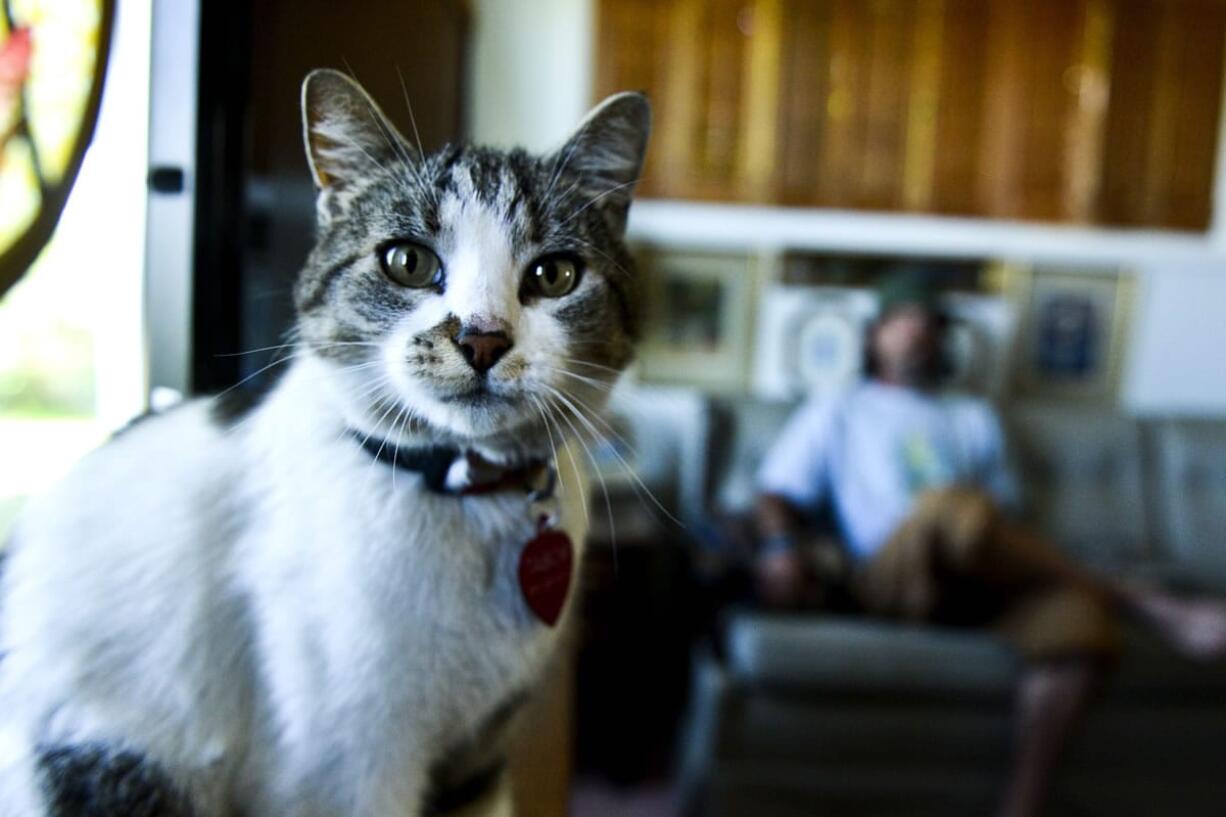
pixel 591 797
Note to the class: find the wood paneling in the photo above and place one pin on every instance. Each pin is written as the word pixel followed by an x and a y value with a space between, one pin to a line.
pixel 542 756
pixel 804 91
pixel 1077 111
pixel 961 98
pixel 1166 76
pixel 1032 53
pixel 631 55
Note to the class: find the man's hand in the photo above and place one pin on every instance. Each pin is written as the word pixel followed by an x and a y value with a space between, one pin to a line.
pixel 781 572
pixel 781 577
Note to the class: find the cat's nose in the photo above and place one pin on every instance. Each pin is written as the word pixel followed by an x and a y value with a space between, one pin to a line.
pixel 482 349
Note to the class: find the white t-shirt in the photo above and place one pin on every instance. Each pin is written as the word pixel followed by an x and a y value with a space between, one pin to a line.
pixel 872 449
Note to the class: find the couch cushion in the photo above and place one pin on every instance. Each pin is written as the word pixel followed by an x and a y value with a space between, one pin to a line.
pixel 769 790
pixel 1150 671
pixel 741 434
pixel 832 654
pixel 804 790
pixel 1192 490
pixel 839 730
pixel 1082 477
pixel 864 656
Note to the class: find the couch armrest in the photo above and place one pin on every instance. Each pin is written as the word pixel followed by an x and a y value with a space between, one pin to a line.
pixel 830 653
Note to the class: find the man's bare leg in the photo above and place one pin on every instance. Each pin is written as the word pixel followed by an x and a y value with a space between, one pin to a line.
pixel 1050 699
pixel 1196 626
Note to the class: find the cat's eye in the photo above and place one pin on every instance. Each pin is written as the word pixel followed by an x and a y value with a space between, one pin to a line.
pixel 412 265
pixel 553 276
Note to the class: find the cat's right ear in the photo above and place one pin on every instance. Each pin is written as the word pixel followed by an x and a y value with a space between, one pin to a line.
pixel 607 152
pixel 347 137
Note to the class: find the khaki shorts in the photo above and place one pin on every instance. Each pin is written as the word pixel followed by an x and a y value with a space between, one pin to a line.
pixel 957 561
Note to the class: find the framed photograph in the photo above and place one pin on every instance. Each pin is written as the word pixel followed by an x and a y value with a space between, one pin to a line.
pixel 809 340
pixel 699 330
pixel 981 334
pixel 1074 331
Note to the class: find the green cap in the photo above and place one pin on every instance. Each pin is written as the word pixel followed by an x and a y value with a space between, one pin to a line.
pixel 905 288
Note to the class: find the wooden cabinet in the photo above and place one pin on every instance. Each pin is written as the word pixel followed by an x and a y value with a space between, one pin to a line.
pixel 1077 111
pixel 1162 127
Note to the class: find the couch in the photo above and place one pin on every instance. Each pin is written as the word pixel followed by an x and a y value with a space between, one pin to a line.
pixel 828 715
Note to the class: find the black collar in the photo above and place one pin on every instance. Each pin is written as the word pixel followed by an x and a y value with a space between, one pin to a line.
pixel 432 462
pixel 450 470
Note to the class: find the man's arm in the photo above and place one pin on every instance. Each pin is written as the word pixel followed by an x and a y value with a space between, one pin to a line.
pixel 997 476
pixel 793 476
pixel 776 517
pixel 780 565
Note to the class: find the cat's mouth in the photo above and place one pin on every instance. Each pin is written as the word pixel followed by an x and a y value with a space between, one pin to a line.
pixel 478 396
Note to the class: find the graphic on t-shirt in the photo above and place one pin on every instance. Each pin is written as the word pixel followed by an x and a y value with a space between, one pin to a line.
pixel 924 464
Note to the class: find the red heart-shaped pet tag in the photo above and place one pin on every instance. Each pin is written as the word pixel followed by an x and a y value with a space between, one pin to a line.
pixel 544 574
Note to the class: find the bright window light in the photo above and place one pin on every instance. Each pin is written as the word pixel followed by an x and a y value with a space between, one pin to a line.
pixel 72 358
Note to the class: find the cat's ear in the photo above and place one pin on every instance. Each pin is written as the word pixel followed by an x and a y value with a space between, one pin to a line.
pixel 607 150
pixel 347 137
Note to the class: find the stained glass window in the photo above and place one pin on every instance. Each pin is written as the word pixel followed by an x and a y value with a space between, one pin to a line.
pixel 58 328
pixel 52 56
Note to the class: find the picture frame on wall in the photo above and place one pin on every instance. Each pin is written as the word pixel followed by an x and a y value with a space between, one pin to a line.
pixel 981 334
pixel 809 340
pixel 699 327
pixel 1074 332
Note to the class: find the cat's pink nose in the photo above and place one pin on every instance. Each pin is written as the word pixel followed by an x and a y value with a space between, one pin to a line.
pixel 482 349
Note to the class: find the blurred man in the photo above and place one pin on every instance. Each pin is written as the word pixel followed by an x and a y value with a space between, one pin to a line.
pixel 919 484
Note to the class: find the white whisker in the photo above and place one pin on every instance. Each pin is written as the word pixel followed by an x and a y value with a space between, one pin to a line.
pixel 590 246
pixel 630 471
pixel 604 487
pixel 552 446
pixel 570 455
pixel 412 119
pixel 599 366
pixel 599 385
pixel 597 198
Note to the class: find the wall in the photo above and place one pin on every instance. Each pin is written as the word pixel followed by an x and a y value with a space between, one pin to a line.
pixel 1179 341
pixel 531 71
pixel 531 79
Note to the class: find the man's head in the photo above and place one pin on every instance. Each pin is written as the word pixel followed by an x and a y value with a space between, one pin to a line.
pixel 905 342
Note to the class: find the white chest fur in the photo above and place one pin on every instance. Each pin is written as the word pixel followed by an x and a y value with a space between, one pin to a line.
pixel 382 624
pixel 391 618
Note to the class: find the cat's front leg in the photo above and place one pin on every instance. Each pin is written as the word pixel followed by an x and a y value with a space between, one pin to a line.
pixel 496 801
pixel 346 783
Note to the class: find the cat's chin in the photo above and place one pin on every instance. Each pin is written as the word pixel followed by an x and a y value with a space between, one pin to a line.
pixel 476 417
pixel 485 420
pixel 513 438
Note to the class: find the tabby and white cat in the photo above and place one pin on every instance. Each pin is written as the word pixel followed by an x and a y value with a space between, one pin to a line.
pixel 293 607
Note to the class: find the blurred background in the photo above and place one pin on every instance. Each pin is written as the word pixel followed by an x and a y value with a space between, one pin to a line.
pixel 1053 166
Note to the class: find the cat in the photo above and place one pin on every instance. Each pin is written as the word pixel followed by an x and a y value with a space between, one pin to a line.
pixel 334 597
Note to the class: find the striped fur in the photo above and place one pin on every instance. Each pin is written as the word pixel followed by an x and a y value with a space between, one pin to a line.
pixel 232 609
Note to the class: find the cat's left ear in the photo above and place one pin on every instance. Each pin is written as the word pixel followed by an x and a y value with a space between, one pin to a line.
pixel 607 150
pixel 347 137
